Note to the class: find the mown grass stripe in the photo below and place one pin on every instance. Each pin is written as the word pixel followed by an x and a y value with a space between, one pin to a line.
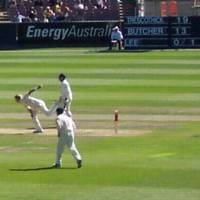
pixel 89 89
pixel 127 96
pixel 112 83
pixel 92 53
pixel 128 71
pixel 78 65
pixel 90 103
pixel 96 60
pixel 25 78
pixel 109 117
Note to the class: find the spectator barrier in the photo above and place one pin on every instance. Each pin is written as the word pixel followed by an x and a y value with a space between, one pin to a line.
pixel 70 34
pixel 7 34
pixel 67 34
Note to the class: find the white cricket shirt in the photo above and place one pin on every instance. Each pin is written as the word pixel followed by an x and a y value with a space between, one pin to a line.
pixel 64 124
pixel 66 90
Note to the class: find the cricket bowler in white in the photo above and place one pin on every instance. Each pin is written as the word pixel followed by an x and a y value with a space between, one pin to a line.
pixel 34 105
pixel 66 95
pixel 65 130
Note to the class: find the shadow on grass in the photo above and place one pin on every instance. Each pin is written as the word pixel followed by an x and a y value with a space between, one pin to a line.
pixel 42 168
pixel 123 51
pixel 196 136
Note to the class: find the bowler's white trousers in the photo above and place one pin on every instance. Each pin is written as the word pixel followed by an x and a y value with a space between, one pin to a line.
pixel 40 107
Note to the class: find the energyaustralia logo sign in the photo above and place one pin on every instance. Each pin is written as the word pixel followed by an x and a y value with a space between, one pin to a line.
pixel 34 32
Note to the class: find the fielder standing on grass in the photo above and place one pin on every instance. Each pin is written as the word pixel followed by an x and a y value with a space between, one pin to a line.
pixel 65 130
pixel 34 105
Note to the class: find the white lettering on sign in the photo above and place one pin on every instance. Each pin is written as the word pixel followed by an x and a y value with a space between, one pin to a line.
pixel 131 31
pixel 144 20
pixel 130 42
pixel 63 33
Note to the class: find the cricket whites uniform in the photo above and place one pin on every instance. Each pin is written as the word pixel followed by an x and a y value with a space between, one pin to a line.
pixel 66 96
pixel 35 105
pixel 66 137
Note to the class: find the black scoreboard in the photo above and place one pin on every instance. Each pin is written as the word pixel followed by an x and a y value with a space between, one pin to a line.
pixel 161 32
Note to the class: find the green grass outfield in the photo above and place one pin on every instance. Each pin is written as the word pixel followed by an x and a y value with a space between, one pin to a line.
pixel 158 91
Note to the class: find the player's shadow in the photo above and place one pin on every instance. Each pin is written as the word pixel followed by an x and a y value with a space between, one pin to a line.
pixel 42 168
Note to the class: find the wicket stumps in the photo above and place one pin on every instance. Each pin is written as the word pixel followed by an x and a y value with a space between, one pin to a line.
pixel 116 119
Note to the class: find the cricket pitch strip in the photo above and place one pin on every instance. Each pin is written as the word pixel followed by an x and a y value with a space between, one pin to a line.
pixel 78 132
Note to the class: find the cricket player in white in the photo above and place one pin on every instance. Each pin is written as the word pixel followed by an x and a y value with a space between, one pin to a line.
pixel 65 130
pixel 66 95
pixel 34 105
